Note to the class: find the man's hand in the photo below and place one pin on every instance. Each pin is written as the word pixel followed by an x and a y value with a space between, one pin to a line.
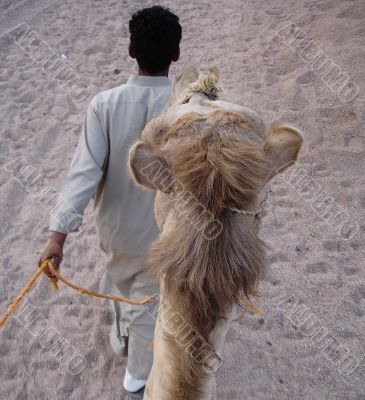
pixel 54 250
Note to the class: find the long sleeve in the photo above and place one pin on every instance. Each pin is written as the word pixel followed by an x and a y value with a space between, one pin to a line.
pixel 84 175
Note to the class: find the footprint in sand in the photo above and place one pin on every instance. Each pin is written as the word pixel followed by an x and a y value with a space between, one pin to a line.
pixel 276 11
pixel 354 308
pixel 307 79
pixel 321 170
pixel 352 12
pixel 26 98
pixel 334 246
pixel 320 267
pixel 327 5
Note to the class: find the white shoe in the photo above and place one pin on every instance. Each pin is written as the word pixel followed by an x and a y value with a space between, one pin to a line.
pixel 131 384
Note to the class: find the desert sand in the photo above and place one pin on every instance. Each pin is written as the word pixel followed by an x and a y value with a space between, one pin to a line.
pixel 308 343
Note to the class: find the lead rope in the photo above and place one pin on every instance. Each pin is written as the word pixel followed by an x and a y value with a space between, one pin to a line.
pixel 49 264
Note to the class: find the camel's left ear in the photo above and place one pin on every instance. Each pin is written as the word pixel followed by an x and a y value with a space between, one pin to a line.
pixel 180 85
pixel 282 147
pixel 148 168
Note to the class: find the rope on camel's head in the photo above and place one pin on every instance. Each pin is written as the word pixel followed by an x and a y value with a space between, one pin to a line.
pixel 48 265
pixel 258 213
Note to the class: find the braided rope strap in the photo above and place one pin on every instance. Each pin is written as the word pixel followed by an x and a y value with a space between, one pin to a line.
pixel 243 212
pixel 259 213
pixel 48 264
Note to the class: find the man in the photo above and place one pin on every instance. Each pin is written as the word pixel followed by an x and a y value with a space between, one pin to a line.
pixel 124 212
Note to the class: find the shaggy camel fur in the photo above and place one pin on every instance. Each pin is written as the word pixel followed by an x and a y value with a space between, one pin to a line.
pixel 208 160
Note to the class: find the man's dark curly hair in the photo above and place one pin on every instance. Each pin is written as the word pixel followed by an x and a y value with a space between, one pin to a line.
pixel 155 38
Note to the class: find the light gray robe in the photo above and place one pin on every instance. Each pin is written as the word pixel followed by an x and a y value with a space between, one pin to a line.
pixel 124 212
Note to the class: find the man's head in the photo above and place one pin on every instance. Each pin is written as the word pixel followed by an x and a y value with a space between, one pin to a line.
pixel 155 38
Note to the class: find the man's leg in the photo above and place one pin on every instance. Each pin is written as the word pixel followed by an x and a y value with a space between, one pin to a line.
pixel 118 332
pixel 142 327
pixel 133 328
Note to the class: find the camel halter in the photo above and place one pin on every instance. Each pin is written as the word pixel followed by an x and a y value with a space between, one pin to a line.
pixel 259 213
pixel 243 212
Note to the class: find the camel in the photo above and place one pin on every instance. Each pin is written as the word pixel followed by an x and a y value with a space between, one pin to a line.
pixel 208 161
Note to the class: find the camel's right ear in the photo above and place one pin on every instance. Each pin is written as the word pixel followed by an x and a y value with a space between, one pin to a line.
pixel 149 169
pixel 282 147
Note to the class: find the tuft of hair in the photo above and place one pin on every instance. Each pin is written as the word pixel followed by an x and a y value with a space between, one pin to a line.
pixel 155 37
pixel 207 84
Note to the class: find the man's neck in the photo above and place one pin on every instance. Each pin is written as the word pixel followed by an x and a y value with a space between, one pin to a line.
pixel 145 73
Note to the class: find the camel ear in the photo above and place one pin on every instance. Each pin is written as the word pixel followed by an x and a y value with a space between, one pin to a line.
pixel 282 147
pixel 180 85
pixel 149 169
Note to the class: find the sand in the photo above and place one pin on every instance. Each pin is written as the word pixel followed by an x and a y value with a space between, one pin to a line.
pixel 309 341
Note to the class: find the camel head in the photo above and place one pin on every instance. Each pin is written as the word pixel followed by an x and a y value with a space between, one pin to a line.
pixel 208 160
